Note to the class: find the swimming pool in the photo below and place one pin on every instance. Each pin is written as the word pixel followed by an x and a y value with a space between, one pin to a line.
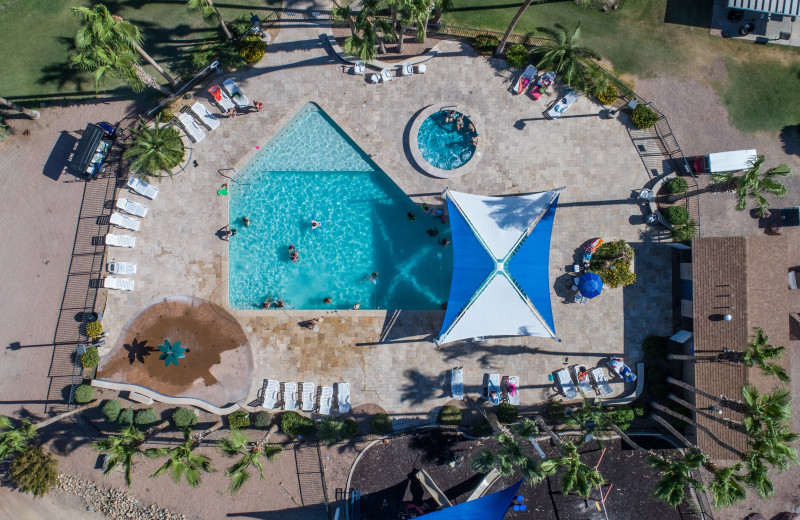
pixel 442 144
pixel 312 170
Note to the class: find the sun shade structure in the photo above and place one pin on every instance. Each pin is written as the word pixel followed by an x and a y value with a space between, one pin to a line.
pixel 501 254
pixel 490 507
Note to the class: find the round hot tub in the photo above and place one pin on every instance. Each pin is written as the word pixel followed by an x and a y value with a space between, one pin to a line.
pixel 445 140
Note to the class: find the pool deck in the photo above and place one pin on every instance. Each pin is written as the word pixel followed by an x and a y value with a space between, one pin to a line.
pixel 386 356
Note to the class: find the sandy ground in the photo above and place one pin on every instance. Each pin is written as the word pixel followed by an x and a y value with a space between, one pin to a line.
pixel 20 506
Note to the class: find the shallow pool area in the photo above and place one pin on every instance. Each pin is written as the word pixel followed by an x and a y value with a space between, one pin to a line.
pixel 443 142
pixel 311 170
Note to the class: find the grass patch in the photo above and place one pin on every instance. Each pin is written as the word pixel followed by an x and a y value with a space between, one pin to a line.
pixel 755 103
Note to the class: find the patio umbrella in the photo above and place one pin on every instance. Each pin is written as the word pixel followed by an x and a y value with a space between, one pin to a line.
pixel 590 285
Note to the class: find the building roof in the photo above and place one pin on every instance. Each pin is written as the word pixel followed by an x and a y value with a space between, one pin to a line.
pixel 745 277
pixel 784 7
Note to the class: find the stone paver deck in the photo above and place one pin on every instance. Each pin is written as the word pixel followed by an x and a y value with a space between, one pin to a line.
pixel 386 356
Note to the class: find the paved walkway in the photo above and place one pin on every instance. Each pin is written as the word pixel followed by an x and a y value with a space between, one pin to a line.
pixel 395 366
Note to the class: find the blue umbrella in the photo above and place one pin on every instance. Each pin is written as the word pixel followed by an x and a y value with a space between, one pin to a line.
pixel 590 285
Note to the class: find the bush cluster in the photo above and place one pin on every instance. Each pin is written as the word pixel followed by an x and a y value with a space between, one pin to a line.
pixel 677 215
pixel 84 394
pixel 90 358
pixel 239 420
pixel 184 418
pixel 677 186
pixel 330 431
pixel 225 51
pixel 111 410
pixel 240 26
pixel 518 56
pixel 507 413
pixel 294 425
pixel 612 261
pixel 125 417
pixel 381 424
pixel 450 415
pixel 351 428
pixel 252 49
pixel 145 417
pixel 655 347
pixel 261 419
pixel 485 43
pixel 607 95
pixel 643 116
pixel 94 329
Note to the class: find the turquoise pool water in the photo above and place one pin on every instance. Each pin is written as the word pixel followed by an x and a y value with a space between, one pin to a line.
pixel 442 144
pixel 312 170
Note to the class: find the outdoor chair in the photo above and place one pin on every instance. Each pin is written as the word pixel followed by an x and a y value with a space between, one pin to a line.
pixel 493 385
pixel 236 93
pixel 326 400
pixel 386 75
pixel 193 129
pixel 792 280
pixel 406 69
pixel 622 370
pixel 421 68
pixel 119 220
pixel 120 240
pixel 122 268
pixel 309 391
pixel 512 389
pixel 123 284
pixel 220 98
pixel 582 377
pixel 565 384
pixel 134 208
pixel 290 396
pixel 359 67
pixel 142 188
pixel 457 383
pixel 519 86
pixel 562 105
pixel 373 78
pixel 343 397
pixel 208 119
pixel 601 382
pixel 271 394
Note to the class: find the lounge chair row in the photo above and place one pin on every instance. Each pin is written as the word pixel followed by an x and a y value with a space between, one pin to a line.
pixel 587 382
pixel 194 126
pixel 495 391
pixel 406 69
pixel 272 396
pixel 231 97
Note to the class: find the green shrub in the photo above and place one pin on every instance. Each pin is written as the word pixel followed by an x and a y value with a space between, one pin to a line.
pixel 639 411
pixel 240 26
pixel 34 471
pixel 94 329
pixel 225 51
pixel 655 347
pixel 351 428
pixel 330 431
pixel 485 43
pixel 684 232
pixel 125 417
pixel 90 358
pixel 677 215
pixel 643 116
pixel 295 425
pixel 677 186
pixel 518 56
pixel 507 413
pixel 381 424
pixel 262 419
pixel 145 417
pixel 239 420
pixel 555 410
pixel 252 49
pixel 111 410
pixel 607 95
pixel 450 415
pixel 612 261
pixel 84 394
pixel 184 418
pixel 622 417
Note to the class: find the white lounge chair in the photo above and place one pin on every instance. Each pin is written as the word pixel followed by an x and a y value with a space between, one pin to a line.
pixel 373 78
pixel 309 391
pixel 792 280
pixel 584 385
pixel 493 385
pixel 123 284
pixel 343 397
pixel 562 105
pixel 421 68
pixel 326 400
pixel 566 385
pixel 220 98
pixel 359 67
pixel 290 396
pixel 193 129
pixel 142 188
pixel 236 93
pixel 120 240
pixel 271 394
pixel 120 220
pixel 386 75
pixel 524 80
pixel 208 119
pixel 601 381
pixel 134 208
pixel 512 382
pixel 122 268
pixel 406 69
pixel 457 383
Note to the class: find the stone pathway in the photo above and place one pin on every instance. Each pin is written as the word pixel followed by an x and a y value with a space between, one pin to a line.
pixel 386 356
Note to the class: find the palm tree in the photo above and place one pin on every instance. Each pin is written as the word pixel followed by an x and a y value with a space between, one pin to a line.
pixel 691 388
pixel 676 475
pixel 774 445
pixel 753 184
pixel 767 409
pixel 660 420
pixel 33 114
pixel 34 471
pixel 757 476
pixel 121 449
pixel 439 7
pixel 14 439
pixel 577 475
pixel 237 444
pixel 726 485
pixel 367 30
pixel 412 13
pixel 501 47
pixel 155 150
pixel 108 36
pixel 182 461
pixel 759 352
pixel 510 455
pixel 567 59
pixel 209 10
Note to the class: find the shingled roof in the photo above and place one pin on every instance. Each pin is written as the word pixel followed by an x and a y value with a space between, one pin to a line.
pixel 746 278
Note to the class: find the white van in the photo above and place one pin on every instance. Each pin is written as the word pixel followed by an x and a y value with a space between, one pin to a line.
pixel 725 161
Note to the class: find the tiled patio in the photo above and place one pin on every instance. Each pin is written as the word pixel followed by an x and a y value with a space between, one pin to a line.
pixel 386 356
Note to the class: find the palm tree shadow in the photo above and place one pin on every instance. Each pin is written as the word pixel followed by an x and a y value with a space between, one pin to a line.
pixel 138 350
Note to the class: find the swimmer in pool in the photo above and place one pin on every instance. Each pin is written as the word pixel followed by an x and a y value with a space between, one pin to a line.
pixel 315 224
pixel 293 254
